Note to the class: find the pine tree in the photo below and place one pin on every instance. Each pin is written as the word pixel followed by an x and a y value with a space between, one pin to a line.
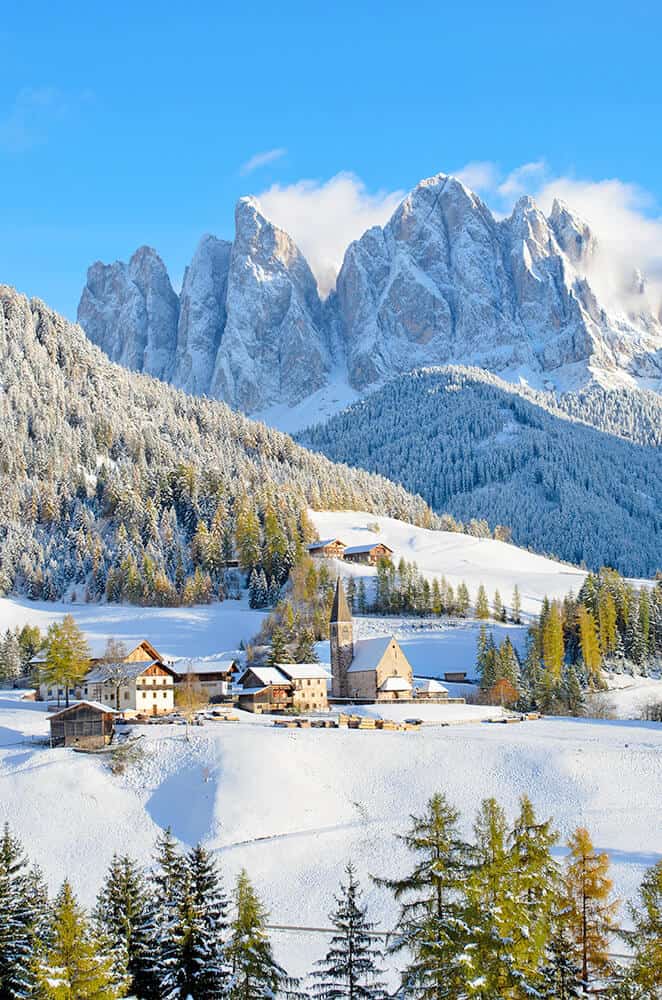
pixel 498 610
pixel 279 651
pixel 202 969
pixel 77 965
pixel 350 968
pixel 168 891
pixel 462 600
pixel 516 606
pixel 590 911
pixel 255 973
pixel 560 975
pixel 573 692
pixel 18 921
pixel 124 916
pixel 304 651
pixel 482 610
pixel 645 938
pixel 432 928
pixel 486 660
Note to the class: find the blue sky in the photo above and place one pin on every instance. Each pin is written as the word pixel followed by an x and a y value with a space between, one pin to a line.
pixel 136 123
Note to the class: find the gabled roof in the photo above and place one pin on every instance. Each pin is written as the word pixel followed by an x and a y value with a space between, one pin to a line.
pixel 431 686
pixel 299 671
pixel 368 653
pixel 340 610
pixel 98 647
pixel 220 665
pixel 395 684
pixel 97 705
pixel 265 675
pixel 357 549
pixel 130 670
pixel 323 542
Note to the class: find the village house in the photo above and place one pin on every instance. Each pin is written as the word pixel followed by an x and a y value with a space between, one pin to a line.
pixel 366 669
pixel 140 683
pixel 368 554
pixel 301 687
pixel 215 676
pixel 327 548
pixel 429 688
pixel 87 724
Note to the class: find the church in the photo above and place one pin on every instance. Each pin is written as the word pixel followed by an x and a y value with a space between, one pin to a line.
pixel 366 669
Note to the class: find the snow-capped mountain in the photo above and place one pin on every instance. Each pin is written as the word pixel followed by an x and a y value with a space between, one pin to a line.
pixel 444 281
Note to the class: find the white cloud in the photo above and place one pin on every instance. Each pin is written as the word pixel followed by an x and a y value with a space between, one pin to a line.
pixel 622 216
pixel 262 159
pixel 324 217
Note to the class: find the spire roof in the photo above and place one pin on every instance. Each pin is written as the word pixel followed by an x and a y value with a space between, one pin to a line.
pixel 340 611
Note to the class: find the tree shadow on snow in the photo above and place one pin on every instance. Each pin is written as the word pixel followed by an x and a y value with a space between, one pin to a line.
pixel 185 803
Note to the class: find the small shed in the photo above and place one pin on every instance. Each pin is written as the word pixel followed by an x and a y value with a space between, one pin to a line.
pixel 88 724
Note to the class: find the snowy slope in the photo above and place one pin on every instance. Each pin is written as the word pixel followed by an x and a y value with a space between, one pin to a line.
pixel 458 557
pixel 194 631
pixel 293 806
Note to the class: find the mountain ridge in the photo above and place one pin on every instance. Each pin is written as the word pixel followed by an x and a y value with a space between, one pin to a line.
pixel 444 281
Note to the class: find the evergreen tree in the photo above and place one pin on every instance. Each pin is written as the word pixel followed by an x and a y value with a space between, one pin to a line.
pixel 645 938
pixel 279 651
pixel 498 610
pixel 462 600
pixel 304 651
pixel 486 661
pixel 573 693
pixel 351 966
pixel 168 882
pixel 255 973
pixel 560 976
pixel 590 910
pixel 482 610
pixel 77 965
pixel 124 916
pixel 516 606
pixel 201 970
pixel 18 921
pixel 432 928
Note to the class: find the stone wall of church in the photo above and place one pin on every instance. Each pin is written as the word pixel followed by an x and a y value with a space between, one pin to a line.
pixel 341 636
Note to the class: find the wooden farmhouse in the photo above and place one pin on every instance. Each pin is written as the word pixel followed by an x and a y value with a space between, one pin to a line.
pixel 140 683
pixel 327 548
pixel 368 554
pixel 301 687
pixel 87 724
pixel 216 677
pixel 366 669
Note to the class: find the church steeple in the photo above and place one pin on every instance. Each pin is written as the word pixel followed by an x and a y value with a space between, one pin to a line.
pixel 340 610
pixel 341 637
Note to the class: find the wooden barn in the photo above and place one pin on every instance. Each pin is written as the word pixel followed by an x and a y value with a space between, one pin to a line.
pixel 327 548
pixel 369 554
pixel 87 724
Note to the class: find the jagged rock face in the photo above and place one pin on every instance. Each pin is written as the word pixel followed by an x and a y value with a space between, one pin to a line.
pixel 131 312
pixel 202 315
pixel 273 347
pixel 444 281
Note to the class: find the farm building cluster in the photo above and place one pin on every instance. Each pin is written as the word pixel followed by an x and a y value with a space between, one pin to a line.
pixel 140 683
pixel 334 548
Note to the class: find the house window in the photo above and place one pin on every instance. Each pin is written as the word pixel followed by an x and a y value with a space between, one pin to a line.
pixel 126 696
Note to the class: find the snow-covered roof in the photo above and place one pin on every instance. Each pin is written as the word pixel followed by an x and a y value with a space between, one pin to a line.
pixel 91 704
pixel 132 669
pixel 303 670
pixel 222 665
pixel 357 549
pixel 369 652
pixel 98 646
pixel 431 686
pixel 266 675
pixel 323 542
pixel 395 684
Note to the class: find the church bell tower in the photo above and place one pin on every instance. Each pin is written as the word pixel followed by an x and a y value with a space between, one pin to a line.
pixel 341 635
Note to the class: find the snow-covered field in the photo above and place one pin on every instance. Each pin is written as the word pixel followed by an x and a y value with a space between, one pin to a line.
pixel 458 557
pixel 293 805
pixel 197 631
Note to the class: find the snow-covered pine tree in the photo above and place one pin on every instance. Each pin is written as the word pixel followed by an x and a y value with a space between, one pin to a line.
pixel 17 921
pixel 432 929
pixel 560 976
pixel 204 969
pixel 124 915
pixel 168 884
pixel 645 938
pixel 350 968
pixel 256 975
